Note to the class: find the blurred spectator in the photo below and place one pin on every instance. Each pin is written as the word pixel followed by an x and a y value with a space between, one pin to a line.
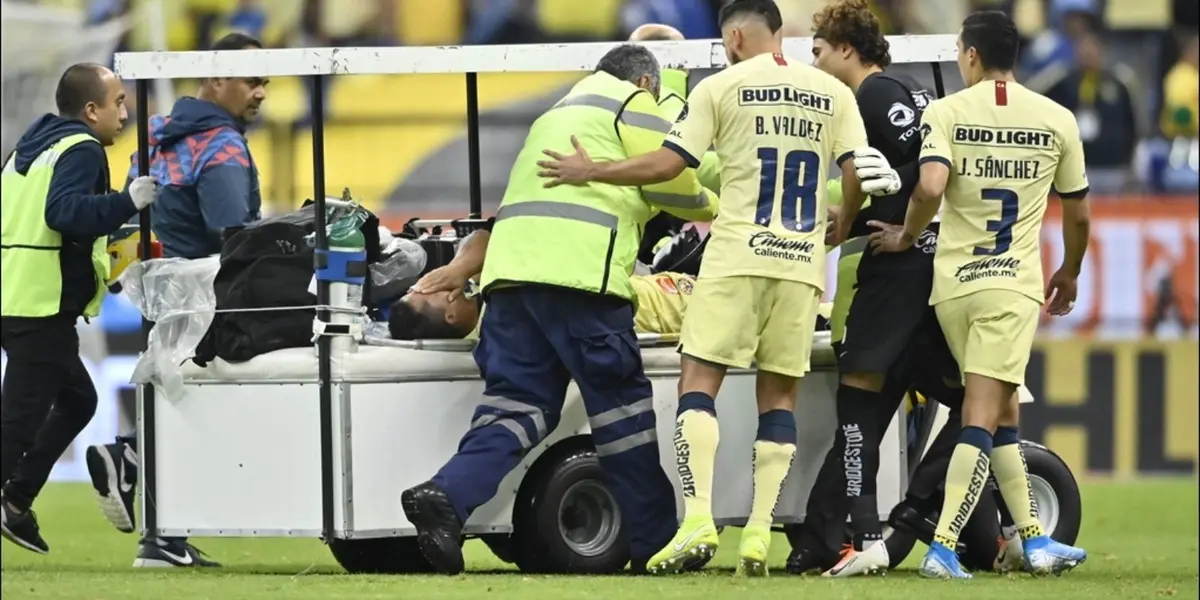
pixel 1181 92
pixel 932 16
pixel 578 20
pixel 1102 98
pixel 427 23
pixel 1055 46
pixel 693 18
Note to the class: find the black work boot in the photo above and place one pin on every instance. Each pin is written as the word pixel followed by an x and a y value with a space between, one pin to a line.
pixel 802 561
pixel 439 532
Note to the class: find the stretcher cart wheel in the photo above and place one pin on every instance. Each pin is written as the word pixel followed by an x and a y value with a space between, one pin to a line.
pixel 565 520
pixel 1060 508
pixel 391 555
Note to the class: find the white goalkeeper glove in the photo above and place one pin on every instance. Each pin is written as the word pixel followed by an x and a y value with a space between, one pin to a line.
pixel 143 191
pixel 877 176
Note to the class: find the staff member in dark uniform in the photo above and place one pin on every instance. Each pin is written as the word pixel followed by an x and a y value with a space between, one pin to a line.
pixel 889 315
pixel 57 213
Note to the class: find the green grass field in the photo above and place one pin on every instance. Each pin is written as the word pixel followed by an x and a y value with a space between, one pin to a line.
pixel 1142 537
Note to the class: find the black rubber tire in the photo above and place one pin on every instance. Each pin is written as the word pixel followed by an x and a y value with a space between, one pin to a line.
pixel 1042 462
pixel 538 546
pixel 392 555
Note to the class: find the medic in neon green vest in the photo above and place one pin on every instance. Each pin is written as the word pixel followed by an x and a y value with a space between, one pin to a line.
pixel 673 97
pixel 586 237
pixel 56 207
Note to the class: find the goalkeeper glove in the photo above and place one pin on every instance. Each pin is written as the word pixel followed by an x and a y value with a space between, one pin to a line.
pixel 877 176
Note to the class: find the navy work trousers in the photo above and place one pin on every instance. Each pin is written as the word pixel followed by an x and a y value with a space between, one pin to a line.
pixel 533 341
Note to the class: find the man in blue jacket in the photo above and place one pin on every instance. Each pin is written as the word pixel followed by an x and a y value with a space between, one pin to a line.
pixel 58 210
pixel 207 183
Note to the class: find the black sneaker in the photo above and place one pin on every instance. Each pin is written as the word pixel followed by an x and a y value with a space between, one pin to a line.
pixel 22 529
pixel 439 532
pixel 114 471
pixel 159 553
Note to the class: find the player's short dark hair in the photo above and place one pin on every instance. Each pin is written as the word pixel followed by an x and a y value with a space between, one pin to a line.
pixel 408 323
pixel 237 41
pixel 851 23
pixel 79 85
pixel 765 9
pixel 628 62
pixel 994 36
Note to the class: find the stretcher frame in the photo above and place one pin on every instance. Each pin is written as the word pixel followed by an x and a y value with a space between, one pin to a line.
pixel 318 63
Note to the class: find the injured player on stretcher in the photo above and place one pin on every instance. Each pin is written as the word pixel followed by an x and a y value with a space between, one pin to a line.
pixel 444 303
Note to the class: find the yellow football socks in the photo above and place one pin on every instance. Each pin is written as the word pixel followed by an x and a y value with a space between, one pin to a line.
pixel 696 438
pixel 772 462
pixel 966 480
pixel 1012 476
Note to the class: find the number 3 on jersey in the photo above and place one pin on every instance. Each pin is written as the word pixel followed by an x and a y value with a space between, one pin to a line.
pixel 797 195
pixel 1009 211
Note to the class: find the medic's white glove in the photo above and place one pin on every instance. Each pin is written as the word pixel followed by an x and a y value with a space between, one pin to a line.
pixel 144 191
pixel 877 176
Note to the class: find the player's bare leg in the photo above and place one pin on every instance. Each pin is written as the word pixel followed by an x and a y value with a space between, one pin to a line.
pixel 858 398
pixel 774 449
pixel 696 439
pixel 1041 554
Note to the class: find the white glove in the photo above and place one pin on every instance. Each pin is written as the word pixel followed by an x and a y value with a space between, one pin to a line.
pixel 144 191
pixel 877 176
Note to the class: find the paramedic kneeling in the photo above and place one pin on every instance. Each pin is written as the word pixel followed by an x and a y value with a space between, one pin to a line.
pixel 57 215
pixel 560 307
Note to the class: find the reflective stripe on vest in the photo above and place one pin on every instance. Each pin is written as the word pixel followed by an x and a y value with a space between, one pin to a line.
pixel 30 250
pixel 614 106
pixel 654 123
pixel 577 237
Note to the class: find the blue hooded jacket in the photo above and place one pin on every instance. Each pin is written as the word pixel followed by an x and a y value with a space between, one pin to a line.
pixel 80 204
pixel 206 176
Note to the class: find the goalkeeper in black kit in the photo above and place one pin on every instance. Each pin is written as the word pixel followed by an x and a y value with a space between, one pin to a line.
pixel 889 318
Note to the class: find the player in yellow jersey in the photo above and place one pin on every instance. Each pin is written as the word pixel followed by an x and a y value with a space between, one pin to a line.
pixel 995 149
pixel 778 126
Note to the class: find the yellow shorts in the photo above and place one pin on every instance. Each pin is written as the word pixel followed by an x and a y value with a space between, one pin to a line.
pixel 737 321
pixel 991 332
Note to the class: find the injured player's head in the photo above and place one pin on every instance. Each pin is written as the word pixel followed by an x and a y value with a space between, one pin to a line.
pixel 848 42
pixel 436 316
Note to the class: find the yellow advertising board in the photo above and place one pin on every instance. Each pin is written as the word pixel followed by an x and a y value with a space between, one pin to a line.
pixel 1116 407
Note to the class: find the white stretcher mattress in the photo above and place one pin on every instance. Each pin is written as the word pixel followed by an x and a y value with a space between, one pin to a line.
pixel 392 360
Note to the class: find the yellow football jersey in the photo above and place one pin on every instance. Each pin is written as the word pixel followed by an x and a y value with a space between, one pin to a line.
pixel 662 300
pixel 778 125
pixel 1006 146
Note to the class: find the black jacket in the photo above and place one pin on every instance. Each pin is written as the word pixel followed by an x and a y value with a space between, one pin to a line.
pixel 79 204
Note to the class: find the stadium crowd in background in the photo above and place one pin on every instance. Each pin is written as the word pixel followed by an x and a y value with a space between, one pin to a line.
pixel 1127 69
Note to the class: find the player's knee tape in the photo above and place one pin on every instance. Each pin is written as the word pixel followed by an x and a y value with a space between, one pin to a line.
pixel 777 426
pixel 697 401
pixel 1006 436
pixel 978 437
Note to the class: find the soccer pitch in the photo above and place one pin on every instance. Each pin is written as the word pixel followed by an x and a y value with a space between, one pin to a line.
pixel 1141 535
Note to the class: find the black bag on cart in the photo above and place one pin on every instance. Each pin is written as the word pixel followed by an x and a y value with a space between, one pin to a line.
pixel 269 265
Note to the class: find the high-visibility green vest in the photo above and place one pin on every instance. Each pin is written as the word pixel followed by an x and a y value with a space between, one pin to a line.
pixel 671 100
pixel 578 237
pixel 33 283
pixel 673 95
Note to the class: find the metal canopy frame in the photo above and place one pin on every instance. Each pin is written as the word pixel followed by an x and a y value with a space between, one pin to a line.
pixel 318 63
